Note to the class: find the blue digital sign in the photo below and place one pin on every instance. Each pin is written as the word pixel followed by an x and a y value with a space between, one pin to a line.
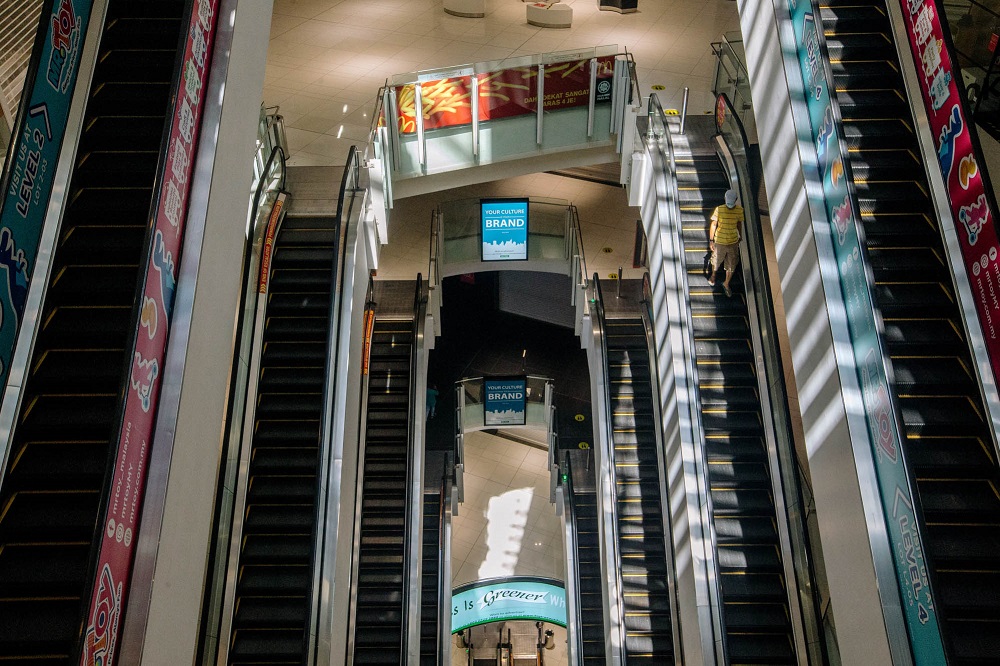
pixel 504 401
pixel 504 224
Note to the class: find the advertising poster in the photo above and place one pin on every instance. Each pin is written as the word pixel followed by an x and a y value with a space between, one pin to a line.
pixel 504 401
pixel 503 94
pixel 504 226
pixel 109 594
pixel 842 222
pixel 514 598
pixel 970 208
pixel 36 142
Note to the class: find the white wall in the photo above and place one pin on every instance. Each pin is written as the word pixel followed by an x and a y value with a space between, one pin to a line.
pixel 824 390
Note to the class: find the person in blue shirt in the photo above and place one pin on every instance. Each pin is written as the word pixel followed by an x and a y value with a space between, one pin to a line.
pixel 432 397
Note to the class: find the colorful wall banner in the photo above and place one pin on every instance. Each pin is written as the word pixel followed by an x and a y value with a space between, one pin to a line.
pixel 970 207
pixel 504 401
pixel 514 598
pixel 897 505
pixel 503 94
pixel 35 148
pixel 504 229
pixel 117 549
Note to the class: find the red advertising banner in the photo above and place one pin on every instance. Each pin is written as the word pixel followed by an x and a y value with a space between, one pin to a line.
pixel 973 219
pixel 114 568
pixel 503 94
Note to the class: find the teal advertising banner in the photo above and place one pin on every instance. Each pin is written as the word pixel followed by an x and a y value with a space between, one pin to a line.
pixel 504 229
pixel 504 401
pixel 890 470
pixel 513 598
pixel 35 147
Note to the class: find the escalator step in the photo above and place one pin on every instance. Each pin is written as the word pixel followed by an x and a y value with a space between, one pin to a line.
pixel 298 304
pixel 292 354
pixel 727 475
pixel 954 457
pixel 291 380
pixel 756 616
pixel 745 529
pixel 297 519
pixel 271 612
pixel 719 447
pixel 940 416
pixel 959 500
pixel 752 587
pixel 296 280
pixel 758 558
pixel 85 327
pixel 292 489
pixel 270 548
pixel 729 502
pixel 752 648
pixel 281 434
pixel 112 98
pixel 30 570
pixel 270 646
pixel 57 465
pixel 283 579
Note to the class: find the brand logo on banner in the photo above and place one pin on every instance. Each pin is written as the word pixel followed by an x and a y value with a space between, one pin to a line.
pixel 970 208
pixel 835 199
pixel 504 401
pixel 446 102
pixel 504 226
pixel 514 598
pixel 36 141
pixel 128 484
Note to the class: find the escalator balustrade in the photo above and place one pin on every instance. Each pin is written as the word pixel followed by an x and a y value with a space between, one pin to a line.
pixel 642 543
pixel 947 443
pixel 274 585
pixel 59 468
pixel 756 619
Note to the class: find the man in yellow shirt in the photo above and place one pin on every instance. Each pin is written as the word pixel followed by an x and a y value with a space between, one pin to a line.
pixel 724 239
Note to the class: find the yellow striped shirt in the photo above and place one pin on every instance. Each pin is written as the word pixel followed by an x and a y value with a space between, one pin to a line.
pixel 727 230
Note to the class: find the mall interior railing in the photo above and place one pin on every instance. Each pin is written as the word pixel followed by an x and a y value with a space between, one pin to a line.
pixel 458 117
pixel 732 78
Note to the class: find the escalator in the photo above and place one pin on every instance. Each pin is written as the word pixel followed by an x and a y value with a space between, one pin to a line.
pixel 273 591
pixel 583 497
pixel 434 505
pixel 59 467
pixel 380 603
pixel 752 584
pixel 948 445
pixel 642 540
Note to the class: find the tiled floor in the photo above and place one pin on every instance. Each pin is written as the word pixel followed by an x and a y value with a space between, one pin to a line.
pixel 506 527
pixel 327 58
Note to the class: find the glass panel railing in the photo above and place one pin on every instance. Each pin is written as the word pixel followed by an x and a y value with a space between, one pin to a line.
pixel 732 78
pixel 537 400
pixel 463 116
pixel 548 230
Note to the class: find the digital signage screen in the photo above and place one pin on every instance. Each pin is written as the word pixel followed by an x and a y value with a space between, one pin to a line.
pixel 504 229
pixel 504 401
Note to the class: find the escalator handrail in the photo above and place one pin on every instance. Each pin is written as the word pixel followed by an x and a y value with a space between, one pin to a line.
pixel 413 521
pixel 617 598
pixel 786 467
pixel 574 602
